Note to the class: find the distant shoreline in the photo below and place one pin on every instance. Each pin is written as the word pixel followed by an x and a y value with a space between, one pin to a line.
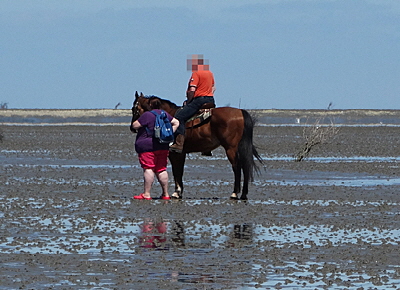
pixel 125 112
pixel 264 116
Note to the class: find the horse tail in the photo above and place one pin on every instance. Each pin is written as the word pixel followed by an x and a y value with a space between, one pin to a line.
pixel 246 150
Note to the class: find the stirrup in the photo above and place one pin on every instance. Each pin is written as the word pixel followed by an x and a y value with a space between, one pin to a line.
pixel 175 149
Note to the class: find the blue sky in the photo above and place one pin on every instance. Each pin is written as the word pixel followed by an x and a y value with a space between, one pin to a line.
pixel 283 54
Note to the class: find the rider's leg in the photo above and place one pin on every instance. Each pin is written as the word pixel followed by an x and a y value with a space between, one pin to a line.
pixel 183 115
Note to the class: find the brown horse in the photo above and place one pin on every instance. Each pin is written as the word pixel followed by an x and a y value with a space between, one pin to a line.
pixel 228 127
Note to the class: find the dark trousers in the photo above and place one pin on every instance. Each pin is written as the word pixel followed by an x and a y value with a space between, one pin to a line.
pixel 189 110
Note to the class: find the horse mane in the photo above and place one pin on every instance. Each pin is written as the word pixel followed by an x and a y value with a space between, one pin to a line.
pixel 163 101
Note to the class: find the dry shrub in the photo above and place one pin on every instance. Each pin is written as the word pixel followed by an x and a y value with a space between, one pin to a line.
pixel 316 134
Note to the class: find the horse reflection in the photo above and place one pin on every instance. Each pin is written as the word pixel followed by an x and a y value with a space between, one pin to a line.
pixel 242 234
pixel 177 234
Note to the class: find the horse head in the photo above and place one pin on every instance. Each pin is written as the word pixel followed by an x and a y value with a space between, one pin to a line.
pixel 140 105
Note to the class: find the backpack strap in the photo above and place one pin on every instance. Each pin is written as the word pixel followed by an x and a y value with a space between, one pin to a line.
pixel 147 129
pixel 154 113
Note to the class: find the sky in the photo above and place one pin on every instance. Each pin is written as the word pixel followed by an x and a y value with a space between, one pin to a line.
pixel 281 54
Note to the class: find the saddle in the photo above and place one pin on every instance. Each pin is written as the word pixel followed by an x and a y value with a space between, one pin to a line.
pixel 203 113
pixel 200 118
pixel 207 106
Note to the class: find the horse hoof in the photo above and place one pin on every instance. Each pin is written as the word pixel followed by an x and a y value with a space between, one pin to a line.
pixel 176 196
pixel 234 196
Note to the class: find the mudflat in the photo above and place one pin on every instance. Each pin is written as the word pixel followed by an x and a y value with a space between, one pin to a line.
pixel 68 220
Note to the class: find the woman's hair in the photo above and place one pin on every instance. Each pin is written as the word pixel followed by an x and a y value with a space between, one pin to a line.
pixel 155 104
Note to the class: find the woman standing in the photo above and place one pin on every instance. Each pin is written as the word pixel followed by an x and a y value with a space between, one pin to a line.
pixel 153 155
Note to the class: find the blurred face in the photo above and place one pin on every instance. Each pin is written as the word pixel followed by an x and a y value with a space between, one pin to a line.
pixel 197 62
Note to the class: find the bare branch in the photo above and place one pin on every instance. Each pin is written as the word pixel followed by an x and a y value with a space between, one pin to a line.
pixel 316 134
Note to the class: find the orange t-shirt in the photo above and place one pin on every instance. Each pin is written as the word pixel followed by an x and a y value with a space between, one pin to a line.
pixel 203 80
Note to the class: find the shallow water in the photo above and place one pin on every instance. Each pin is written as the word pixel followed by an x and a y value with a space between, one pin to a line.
pixel 278 177
pixel 203 250
pixel 68 220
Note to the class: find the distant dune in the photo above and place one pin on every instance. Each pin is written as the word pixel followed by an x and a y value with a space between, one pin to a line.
pixel 78 113
pixel 61 113
pixel 71 117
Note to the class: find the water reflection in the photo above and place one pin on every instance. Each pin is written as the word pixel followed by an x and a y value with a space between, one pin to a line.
pixel 249 255
pixel 242 235
pixel 161 234
pixel 153 234
pixel 178 234
pixel 170 234
pixel 88 234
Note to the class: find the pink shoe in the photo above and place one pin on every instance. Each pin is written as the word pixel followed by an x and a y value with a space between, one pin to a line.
pixel 141 196
pixel 165 197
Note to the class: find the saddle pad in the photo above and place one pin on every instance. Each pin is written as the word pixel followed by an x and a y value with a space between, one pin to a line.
pixel 204 115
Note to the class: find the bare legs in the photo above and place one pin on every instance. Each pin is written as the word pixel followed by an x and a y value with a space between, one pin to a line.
pixel 163 180
pixel 148 176
pixel 162 177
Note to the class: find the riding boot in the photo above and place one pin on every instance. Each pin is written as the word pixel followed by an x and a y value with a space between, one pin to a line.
pixel 178 145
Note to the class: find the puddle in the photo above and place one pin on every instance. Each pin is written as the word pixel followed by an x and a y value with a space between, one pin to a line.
pixel 71 223
pixel 367 181
pixel 274 177
pixel 210 245
pixel 85 235
pixel 351 159
pixel 345 181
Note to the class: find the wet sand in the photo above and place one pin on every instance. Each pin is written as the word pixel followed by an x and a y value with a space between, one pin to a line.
pixel 328 222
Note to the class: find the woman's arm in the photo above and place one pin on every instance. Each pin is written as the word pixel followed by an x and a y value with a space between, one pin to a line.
pixel 136 125
pixel 175 124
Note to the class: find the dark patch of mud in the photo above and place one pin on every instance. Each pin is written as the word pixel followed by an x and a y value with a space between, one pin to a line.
pixel 68 220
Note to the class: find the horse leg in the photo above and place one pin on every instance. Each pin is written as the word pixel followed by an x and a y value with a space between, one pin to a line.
pixel 236 188
pixel 177 162
pixel 231 154
pixel 246 179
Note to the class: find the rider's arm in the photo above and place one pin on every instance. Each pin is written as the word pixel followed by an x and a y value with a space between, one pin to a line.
pixel 190 93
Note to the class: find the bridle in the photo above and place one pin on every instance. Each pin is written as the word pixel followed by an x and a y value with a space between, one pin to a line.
pixel 135 114
pixel 135 111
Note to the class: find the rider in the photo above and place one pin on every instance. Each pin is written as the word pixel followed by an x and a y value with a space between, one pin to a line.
pixel 200 90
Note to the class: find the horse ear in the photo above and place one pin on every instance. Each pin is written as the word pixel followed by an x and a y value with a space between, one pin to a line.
pixel 136 95
pixel 141 94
